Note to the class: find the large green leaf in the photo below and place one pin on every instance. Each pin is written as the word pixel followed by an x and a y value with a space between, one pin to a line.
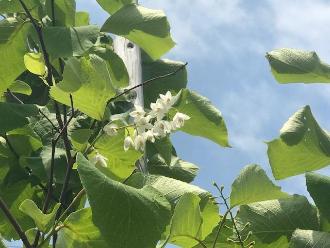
pixel 318 187
pixel 206 120
pixel 116 66
pixel 121 163
pixel 82 19
pixel 20 87
pixel 270 220
pixel 146 27
pixel 171 188
pixel 15 115
pixel 44 222
pixel 64 11
pixel 302 146
pixel 309 239
pixel 253 185
pixel 68 42
pixel 297 66
pixel 95 91
pixel 136 217
pixel 79 231
pixel 191 221
pixel 13 35
pixel 114 5
pixel 174 83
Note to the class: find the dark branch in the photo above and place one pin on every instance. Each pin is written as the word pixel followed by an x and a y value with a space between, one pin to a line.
pixel 14 223
pixel 149 81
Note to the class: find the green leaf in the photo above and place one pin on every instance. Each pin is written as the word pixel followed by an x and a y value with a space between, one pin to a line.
pixel 177 169
pixel 20 87
pixel 146 27
pixel 34 62
pixel 192 221
pixel 67 42
pixel 80 231
pixel 303 146
pixel 44 222
pixel 116 67
pixel 79 139
pixel 270 220
pixel 64 11
pixel 206 120
pixel 112 6
pixel 82 19
pixel 129 207
pixel 95 91
pixel 309 239
pixel 121 163
pixel 13 195
pixel 297 66
pixel 318 187
pixel 253 185
pixel 24 140
pixel 13 35
pixel 163 147
pixel 174 83
pixel 171 188
pixel 15 115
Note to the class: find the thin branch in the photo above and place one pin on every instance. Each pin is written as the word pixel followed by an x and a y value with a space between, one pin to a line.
pixel 14 97
pixel 149 81
pixel 51 123
pixel 14 223
pixel 223 221
pixel 230 213
pixel 54 230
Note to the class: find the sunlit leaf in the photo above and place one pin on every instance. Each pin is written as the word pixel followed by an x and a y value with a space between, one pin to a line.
pixel 114 5
pixel 146 27
pixel 309 239
pixel 34 62
pixel 302 146
pixel 253 185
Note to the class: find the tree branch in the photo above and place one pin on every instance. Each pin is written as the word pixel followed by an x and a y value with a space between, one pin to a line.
pixel 149 81
pixel 230 213
pixel 14 223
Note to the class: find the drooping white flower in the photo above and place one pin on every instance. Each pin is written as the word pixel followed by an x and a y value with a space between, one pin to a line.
pixel 100 160
pixel 111 129
pixel 143 124
pixel 139 143
pixel 149 136
pixel 162 128
pixel 138 113
pixel 128 143
pixel 178 120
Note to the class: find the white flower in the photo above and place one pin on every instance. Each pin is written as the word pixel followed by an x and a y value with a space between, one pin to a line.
pixel 167 99
pixel 158 109
pixel 139 143
pixel 143 124
pixel 178 120
pixel 161 128
pixel 100 160
pixel 149 136
pixel 138 112
pixel 111 129
pixel 128 143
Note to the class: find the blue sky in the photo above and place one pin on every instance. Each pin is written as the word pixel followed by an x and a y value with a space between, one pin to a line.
pixel 225 42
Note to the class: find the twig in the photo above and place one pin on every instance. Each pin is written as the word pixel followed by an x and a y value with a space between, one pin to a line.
pixel 14 97
pixel 149 81
pixel 230 213
pixel 223 221
pixel 14 223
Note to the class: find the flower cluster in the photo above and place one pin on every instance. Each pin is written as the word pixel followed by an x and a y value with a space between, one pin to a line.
pixel 151 125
